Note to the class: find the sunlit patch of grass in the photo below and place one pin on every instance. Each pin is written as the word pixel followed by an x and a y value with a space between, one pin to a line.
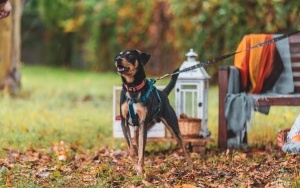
pixel 263 128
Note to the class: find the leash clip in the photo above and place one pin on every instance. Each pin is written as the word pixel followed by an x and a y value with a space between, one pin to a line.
pixel 152 80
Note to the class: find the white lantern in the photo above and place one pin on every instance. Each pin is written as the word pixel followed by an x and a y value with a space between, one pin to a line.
pixel 191 93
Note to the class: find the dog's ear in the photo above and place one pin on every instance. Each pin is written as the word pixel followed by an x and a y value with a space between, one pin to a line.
pixel 144 58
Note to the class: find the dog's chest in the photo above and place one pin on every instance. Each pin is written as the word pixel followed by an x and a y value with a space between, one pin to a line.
pixel 138 109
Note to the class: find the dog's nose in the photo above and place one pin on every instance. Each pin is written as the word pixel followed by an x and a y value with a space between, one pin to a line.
pixel 118 59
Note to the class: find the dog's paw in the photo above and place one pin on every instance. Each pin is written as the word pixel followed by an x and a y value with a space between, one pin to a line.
pixel 190 163
pixel 139 170
pixel 190 166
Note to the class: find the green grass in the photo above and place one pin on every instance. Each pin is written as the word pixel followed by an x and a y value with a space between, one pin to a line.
pixel 76 107
pixel 58 105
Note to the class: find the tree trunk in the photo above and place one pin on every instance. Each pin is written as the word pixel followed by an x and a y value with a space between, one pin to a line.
pixel 10 50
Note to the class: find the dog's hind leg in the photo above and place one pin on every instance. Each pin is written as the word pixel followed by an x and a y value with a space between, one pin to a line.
pixel 172 126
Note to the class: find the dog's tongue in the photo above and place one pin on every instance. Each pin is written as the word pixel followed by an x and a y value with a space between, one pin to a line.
pixel 120 68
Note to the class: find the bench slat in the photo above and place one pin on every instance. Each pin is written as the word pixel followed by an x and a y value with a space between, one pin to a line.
pixel 295 59
pixel 296 79
pixel 296 64
pixel 296 74
pixel 294 39
pixel 294 50
pixel 277 100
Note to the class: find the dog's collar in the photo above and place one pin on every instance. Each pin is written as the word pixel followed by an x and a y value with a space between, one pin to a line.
pixel 136 88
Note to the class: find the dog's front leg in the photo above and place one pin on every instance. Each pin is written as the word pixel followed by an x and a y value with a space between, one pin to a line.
pixel 136 139
pixel 141 148
pixel 127 135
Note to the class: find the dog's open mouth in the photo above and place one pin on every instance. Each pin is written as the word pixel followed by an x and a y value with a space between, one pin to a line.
pixel 122 69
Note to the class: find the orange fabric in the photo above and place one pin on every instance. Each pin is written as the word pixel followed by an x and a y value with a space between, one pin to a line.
pixel 255 65
pixel 296 138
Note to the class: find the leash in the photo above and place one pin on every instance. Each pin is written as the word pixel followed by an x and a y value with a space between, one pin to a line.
pixel 205 63
pixel 152 81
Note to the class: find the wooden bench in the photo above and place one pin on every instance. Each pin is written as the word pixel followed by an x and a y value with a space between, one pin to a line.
pixel 266 100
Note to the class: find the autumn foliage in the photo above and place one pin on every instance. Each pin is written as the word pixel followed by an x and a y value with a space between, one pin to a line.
pixel 66 165
pixel 88 34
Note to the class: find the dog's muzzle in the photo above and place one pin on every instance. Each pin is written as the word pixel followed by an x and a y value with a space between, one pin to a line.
pixel 120 68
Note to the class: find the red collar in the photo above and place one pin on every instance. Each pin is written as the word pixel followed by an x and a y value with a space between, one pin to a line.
pixel 136 88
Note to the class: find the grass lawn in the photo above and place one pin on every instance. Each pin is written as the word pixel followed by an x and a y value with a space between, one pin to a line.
pixel 76 107
pixel 61 106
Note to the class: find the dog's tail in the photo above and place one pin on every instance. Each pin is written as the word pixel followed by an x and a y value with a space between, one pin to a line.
pixel 172 83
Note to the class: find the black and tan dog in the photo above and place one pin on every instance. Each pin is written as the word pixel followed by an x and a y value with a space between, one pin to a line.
pixel 142 105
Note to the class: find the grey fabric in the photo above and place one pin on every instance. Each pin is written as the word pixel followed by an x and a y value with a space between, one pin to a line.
pixel 238 108
pixel 295 129
pixel 284 83
pixel 233 81
pixel 293 147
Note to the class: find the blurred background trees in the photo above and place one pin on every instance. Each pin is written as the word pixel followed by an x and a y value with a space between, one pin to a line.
pixel 88 34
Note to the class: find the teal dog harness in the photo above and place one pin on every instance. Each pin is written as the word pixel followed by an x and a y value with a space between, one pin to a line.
pixel 151 88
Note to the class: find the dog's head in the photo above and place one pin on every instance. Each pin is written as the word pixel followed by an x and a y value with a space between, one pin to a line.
pixel 128 62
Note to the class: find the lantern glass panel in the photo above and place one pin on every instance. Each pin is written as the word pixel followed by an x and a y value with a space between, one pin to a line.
pixel 188 100
pixel 193 87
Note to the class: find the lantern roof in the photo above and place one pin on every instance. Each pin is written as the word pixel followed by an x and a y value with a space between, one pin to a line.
pixel 191 53
pixel 196 74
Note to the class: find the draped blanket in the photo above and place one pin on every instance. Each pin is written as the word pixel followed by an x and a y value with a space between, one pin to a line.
pixel 259 67
pixel 265 69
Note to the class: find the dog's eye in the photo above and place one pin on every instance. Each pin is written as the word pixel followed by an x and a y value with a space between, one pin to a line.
pixel 130 58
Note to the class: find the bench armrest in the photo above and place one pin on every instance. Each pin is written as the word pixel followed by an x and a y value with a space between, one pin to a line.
pixel 223 88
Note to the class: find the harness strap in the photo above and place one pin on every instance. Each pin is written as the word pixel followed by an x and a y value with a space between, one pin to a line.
pixel 132 114
pixel 142 99
pixel 158 97
pixel 159 102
